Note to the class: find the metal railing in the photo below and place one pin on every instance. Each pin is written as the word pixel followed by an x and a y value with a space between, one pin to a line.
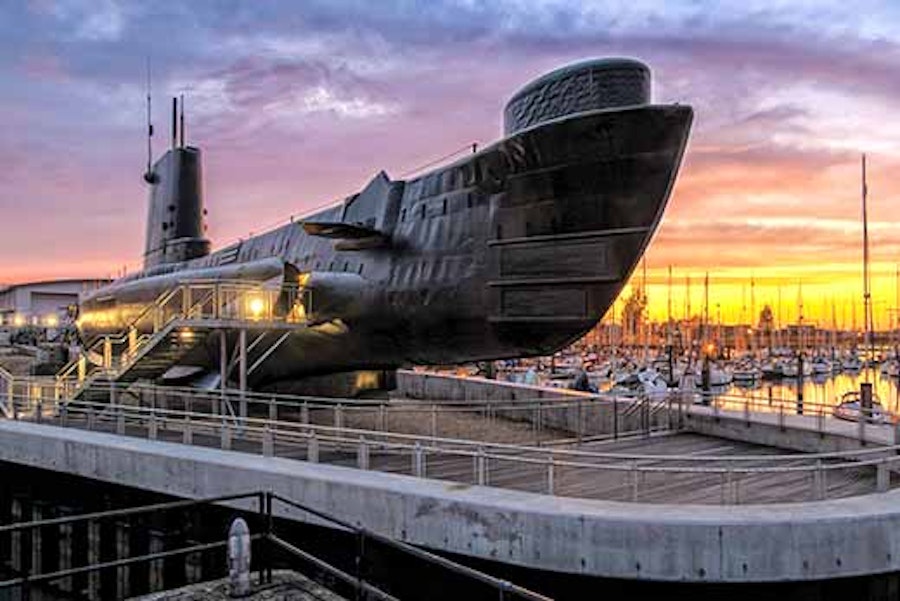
pixel 365 583
pixel 539 421
pixel 190 302
pixel 415 455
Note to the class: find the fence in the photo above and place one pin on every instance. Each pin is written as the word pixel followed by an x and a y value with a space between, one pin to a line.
pixel 538 468
pixel 357 576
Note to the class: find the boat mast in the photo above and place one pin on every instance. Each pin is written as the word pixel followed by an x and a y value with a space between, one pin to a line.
pixel 867 290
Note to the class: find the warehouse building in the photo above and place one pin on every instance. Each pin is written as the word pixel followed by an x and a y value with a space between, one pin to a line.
pixel 42 304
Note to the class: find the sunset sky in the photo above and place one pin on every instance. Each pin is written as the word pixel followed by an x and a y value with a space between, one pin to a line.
pixel 300 103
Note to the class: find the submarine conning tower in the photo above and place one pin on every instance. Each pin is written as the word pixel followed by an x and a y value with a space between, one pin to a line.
pixel 175 220
pixel 582 86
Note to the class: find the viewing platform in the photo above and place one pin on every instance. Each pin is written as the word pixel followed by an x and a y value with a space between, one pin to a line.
pixel 661 489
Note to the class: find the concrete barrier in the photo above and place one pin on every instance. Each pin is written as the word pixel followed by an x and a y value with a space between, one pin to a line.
pixel 723 544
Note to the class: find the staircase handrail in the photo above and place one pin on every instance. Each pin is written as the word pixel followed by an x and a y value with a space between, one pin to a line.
pixel 215 288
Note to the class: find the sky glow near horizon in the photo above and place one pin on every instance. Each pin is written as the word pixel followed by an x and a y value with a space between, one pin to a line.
pixel 299 104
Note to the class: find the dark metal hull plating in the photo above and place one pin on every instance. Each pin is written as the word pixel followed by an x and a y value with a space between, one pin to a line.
pixel 514 251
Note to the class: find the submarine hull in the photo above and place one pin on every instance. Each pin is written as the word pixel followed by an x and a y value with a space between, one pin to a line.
pixel 515 250
pixel 560 216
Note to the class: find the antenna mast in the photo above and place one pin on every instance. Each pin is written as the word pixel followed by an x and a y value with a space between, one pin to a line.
pixel 181 122
pixel 148 174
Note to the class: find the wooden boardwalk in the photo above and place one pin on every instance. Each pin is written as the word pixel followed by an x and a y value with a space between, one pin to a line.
pixel 652 487
pixel 600 478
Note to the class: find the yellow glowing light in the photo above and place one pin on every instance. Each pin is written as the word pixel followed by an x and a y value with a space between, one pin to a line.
pixel 51 321
pixel 19 320
pixel 710 348
pixel 256 306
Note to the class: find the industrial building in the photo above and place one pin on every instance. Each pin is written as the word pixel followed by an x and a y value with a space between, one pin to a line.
pixel 42 304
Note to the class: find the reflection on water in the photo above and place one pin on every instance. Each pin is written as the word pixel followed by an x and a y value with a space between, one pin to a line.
pixel 823 390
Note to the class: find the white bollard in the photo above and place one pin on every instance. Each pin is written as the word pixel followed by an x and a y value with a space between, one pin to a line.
pixel 239 559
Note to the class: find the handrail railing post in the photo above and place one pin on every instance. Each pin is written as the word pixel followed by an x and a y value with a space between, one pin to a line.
pixel 635 484
pixel 550 475
pixel 434 421
pixel 882 476
pixel 579 425
pixel 615 423
pixel 225 434
pixel 362 454
pixel 819 481
pixel 480 469
pixel 312 448
pixel 418 461
pixel 187 433
pixel 268 442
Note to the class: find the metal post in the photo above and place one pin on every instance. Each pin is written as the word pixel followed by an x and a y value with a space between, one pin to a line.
pixel 635 475
pixel 550 476
pixel 273 410
pixel 187 434
pixel 480 468
pixel 225 434
pixel 418 461
pixel 578 425
pixel 434 418
pixel 312 449
pixel 819 481
pixel 153 429
pixel 242 371
pixel 615 417
pixel 107 353
pixel 339 417
pixel 781 416
pixel 362 454
pixel 268 442
pixel 304 413
pixel 65 555
pixel 882 476
pixel 93 558
pixel 223 370
pixel 120 421
pixel 747 412
pixel 39 410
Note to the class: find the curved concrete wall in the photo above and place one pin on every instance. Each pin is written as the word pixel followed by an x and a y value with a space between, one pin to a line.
pixel 771 543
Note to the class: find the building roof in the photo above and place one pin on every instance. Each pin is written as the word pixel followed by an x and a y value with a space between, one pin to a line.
pixel 10 287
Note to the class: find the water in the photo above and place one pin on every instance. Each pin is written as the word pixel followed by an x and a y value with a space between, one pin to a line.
pixel 823 390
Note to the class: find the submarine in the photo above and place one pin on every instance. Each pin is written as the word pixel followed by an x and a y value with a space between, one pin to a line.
pixel 515 250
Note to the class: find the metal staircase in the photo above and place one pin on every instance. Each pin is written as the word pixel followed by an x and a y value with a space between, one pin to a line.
pixel 179 322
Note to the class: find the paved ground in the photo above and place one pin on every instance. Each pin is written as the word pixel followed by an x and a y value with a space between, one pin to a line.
pixel 286 586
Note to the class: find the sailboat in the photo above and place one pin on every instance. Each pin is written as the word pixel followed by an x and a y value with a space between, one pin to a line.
pixel 850 405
